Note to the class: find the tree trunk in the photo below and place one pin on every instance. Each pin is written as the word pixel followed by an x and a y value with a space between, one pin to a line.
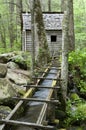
pixel 2 33
pixel 19 10
pixel 64 66
pixel 49 5
pixel 69 8
pixel 43 55
pixel 43 5
pixel 11 26
pixel 71 26
pixel 33 34
pixel 62 5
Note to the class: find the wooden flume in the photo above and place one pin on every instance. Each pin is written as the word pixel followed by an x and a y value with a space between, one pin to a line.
pixel 29 94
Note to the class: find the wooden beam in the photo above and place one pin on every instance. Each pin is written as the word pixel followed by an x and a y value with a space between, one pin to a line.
pixel 56 68
pixel 48 73
pixel 33 125
pixel 37 100
pixel 47 78
pixel 39 86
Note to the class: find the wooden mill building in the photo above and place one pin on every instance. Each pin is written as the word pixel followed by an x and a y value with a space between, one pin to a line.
pixel 53 27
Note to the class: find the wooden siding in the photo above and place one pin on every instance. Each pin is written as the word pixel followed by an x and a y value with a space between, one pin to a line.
pixel 54 47
pixel 28 41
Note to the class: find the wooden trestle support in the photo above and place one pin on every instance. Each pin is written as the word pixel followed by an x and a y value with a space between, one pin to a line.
pixel 27 97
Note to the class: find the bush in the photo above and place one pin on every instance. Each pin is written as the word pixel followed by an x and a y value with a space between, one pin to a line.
pixel 77 66
pixel 75 112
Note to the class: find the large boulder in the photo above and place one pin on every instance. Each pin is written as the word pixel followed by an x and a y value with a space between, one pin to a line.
pixel 23 60
pixel 7 89
pixel 3 70
pixel 12 65
pixel 4 58
pixel 20 61
pixel 19 77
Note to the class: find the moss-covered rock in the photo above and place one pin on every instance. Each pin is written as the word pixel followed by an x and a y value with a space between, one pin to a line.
pixel 12 65
pixel 7 89
pixel 18 76
pixel 4 111
pixel 23 60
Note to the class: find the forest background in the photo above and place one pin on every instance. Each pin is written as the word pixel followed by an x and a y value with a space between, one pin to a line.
pixel 10 22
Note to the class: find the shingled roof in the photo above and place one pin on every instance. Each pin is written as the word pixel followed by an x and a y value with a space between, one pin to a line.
pixel 52 21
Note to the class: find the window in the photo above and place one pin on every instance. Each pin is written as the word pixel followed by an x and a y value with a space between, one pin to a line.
pixel 53 38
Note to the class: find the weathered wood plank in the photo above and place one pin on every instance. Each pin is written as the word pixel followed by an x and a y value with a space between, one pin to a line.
pixel 39 86
pixel 58 79
pixel 37 100
pixel 33 125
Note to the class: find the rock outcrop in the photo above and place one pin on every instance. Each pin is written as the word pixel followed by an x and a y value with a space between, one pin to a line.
pixel 13 75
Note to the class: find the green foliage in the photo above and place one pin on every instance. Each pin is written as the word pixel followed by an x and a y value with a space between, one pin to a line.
pixel 75 113
pixel 78 58
pixel 77 66
pixel 82 86
pixel 76 108
pixel 74 97
pixel 9 27
pixel 80 24
pixel 16 47
pixel 55 5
